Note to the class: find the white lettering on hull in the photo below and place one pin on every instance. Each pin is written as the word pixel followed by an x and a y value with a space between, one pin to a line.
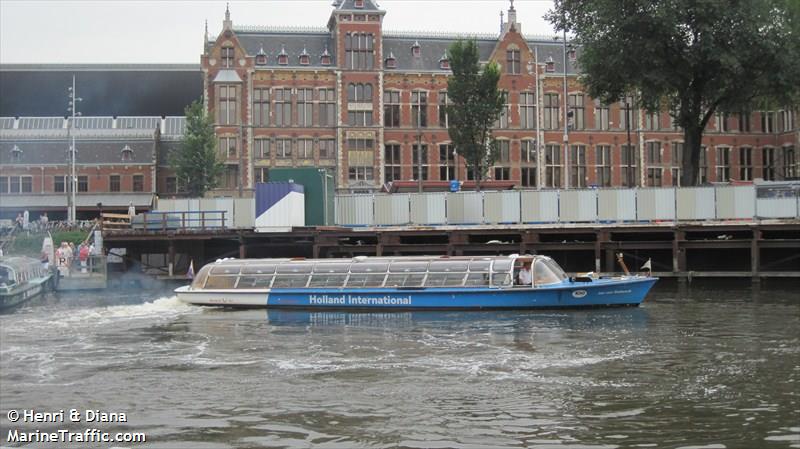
pixel 357 300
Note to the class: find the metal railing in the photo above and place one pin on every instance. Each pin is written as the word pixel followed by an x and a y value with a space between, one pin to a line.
pixel 179 220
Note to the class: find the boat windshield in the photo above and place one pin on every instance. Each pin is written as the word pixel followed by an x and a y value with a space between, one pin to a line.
pixel 546 271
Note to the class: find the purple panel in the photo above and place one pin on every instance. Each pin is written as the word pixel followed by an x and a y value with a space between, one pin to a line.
pixel 269 193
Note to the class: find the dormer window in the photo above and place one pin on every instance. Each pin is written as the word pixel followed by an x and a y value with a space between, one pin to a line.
pixel 16 154
pixel 127 154
pixel 572 53
pixel 304 58
pixel 358 4
pixel 325 59
pixel 261 57
pixel 415 51
pixel 550 65
pixel 391 62
pixel 283 57
pixel 444 62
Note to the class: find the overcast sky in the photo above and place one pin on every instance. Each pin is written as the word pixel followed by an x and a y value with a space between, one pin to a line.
pixel 169 31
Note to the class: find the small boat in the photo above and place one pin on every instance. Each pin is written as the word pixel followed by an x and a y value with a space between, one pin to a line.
pixel 23 278
pixel 426 282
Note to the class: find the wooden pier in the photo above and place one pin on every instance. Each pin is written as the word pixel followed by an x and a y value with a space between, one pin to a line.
pixel 703 249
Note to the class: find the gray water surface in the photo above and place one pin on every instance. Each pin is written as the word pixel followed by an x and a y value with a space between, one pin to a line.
pixel 714 365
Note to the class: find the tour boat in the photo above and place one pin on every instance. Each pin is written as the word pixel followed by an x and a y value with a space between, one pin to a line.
pixel 417 282
pixel 22 278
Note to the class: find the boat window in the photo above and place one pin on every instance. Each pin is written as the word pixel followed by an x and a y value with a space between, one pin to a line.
pixel 327 280
pixel 502 265
pixel 290 281
pixel 200 277
pixel 225 269
pixel 295 268
pixel 477 280
pixel 448 266
pixel 365 280
pixel 480 265
pixel 409 267
pixel 501 279
pixel 254 282
pixel 369 267
pixel 404 280
pixel 445 280
pixel 258 269
pixel 220 281
pixel 331 267
pixel 545 273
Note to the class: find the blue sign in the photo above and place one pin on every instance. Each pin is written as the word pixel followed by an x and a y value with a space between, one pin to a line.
pixel 455 185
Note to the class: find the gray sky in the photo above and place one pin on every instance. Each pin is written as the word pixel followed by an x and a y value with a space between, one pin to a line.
pixel 170 31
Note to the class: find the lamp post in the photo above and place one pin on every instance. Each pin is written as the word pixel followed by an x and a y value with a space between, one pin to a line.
pixel 419 141
pixel 71 184
pixel 566 108
pixel 533 69
pixel 629 176
pixel 325 176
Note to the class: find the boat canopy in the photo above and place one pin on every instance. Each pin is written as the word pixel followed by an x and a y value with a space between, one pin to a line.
pixel 18 270
pixel 375 272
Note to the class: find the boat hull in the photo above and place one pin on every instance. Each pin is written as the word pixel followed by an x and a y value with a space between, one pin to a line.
pixel 599 293
pixel 26 292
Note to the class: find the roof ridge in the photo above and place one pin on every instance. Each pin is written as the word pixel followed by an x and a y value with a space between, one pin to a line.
pixel 279 29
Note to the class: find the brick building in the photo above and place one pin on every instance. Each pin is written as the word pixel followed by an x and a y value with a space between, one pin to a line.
pixel 355 99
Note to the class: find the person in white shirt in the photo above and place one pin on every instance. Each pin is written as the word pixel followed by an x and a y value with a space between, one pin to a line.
pixel 524 276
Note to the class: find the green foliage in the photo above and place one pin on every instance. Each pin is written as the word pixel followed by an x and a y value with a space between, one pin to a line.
pixel 195 163
pixel 31 245
pixel 475 105
pixel 695 57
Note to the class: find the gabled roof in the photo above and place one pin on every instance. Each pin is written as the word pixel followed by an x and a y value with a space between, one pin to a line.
pixel 431 51
pixel 272 41
pixel 35 152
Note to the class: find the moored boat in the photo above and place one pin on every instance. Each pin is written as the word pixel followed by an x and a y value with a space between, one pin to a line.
pixel 419 282
pixel 23 278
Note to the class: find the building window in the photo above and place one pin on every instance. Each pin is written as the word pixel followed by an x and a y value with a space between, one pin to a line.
pixel 358 49
pixel 27 183
pixel 503 120
pixel 419 109
pixel 283 148
pixel 577 108
pixel 260 148
pixel 603 160
pixel 527 110
pixel 261 174
pixel 138 183
pixel 552 166
pixel 304 60
pixel 227 55
pixel 359 118
pixel 227 147
pixel 723 164
pixel 744 122
pixel 359 93
pixel 14 184
pixel 83 184
pixel 578 166
pixel 676 158
pixel 746 164
pixel 443 104
pixel 502 173
pixel 627 115
pixel 127 154
pixel 4 184
pixel 528 151
pixel 787 120
pixel 550 111
pixel 361 159
pixel 789 163
pixel 16 154
pixel 327 107
pixel 391 62
pixel 654 177
pixel 528 176
pixel 391 160
pixel 601 116
pixel 651 120
pixel 283 107
pixel 113 183
pixel 767 122
pixel 171 184
pixel 653 152
pixel 629 165
pixel 391 109
pixel 305 98
pixel 305 149
pixel 327 148
pixel 503 151
pixel 59 184
pixel 768 162
pixel 230 177
pixel 416 154
pixel 702 174
pixel 722 122
pixel 261 107
pixel 447 162
pixel 227 105
pixel 512 62
pixel 415 49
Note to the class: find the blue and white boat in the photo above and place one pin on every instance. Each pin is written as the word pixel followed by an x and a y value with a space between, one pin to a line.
pixel 386 283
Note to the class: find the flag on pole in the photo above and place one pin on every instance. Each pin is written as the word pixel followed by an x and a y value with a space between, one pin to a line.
pixel 190 273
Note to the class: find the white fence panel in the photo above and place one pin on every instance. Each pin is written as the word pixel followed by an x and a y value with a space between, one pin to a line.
pixel 616 205
pixel 655 204
pixel 354 210
pixel 539 206
pixel 428 208
pixel 502 207
pixel 695 203
pixel 244 213
pixel 735 202
pixel 577 205
pixel 465 208
pixel 392 209
pixel 776 207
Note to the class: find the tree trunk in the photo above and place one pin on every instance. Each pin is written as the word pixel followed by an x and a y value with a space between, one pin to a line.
pixel 692 139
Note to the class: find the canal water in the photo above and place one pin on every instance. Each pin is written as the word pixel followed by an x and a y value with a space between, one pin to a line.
pixel 711 365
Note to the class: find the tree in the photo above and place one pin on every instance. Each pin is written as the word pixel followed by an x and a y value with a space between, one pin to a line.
pixel 196 162
pixel 475 105
pixel 695 57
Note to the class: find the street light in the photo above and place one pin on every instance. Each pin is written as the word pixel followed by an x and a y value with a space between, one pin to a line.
pixel 566 117
pixel 71 184
pixel 533 69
